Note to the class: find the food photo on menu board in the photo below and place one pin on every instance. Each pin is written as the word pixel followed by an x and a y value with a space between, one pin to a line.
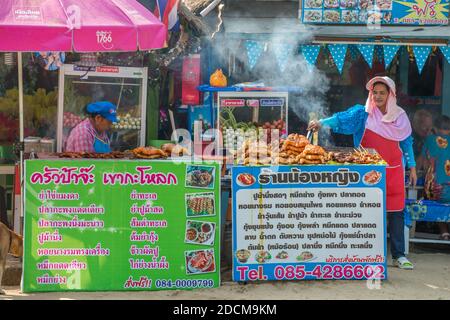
pixel 350 16
pixel 200 204
pixel 200 232
pixel 332 16
pixel 200 176
pixel 349 4
pixel 410 12
pixel 200 262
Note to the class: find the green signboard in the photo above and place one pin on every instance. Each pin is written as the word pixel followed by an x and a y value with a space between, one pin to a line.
pixel 121 225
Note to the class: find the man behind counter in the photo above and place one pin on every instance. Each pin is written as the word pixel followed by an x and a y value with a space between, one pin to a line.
pixel 91 135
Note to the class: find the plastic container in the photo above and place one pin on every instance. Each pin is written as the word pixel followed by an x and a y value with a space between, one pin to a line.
pixel 32 144
pixel 48 145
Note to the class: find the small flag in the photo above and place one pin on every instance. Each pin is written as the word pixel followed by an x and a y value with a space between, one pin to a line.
pixel 421 53
pixel 311 52
pixel 446 52
pixel 389 53
pixel 254 51
pixel 367 51
pixel 167 12
pixel 282 52
pixel 338 52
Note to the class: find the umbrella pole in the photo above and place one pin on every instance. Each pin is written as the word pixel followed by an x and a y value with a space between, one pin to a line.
pixel 20 69
pixel 21 128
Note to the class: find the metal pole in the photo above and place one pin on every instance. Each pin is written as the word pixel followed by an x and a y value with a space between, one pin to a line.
pixel 20 69
pixel 209 8
pixel 21 128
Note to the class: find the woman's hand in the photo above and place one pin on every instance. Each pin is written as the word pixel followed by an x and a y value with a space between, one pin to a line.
pixel 314 125
pixel 413 177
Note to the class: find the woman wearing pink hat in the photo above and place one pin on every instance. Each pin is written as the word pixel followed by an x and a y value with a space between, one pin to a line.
pixel 382 125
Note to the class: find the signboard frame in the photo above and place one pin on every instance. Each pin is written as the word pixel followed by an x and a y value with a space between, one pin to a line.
pixel 276 268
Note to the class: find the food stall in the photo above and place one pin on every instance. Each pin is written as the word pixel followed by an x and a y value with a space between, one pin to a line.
pixel 92 215
pixel 150 215
pixel 301 212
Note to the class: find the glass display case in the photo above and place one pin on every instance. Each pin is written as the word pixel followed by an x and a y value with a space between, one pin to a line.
pixel 250 115
pixel 124 86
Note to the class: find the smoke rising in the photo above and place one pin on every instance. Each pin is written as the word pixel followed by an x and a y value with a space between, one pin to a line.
pixel 312 82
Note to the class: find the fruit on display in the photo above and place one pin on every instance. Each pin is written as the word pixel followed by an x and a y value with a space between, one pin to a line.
pixel 9 103
pixel 40 110
pixel 276 124
pixel 74 102
pixel 40 113
pixel 71 120
pixel 218 79
pixel 9 127
pixel 127 122
pixel 277 127
pixel 41 106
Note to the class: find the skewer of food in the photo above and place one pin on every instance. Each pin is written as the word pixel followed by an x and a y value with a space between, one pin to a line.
pixel 149 153
pixel 92 155
pixel 296 149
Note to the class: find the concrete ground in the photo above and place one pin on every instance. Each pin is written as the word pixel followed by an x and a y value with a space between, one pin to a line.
pixel 429 280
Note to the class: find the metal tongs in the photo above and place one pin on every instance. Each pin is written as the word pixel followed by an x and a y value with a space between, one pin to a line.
pixel 309 135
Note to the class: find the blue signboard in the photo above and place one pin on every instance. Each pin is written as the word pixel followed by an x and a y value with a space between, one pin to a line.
pixel 375 12
pixel 272 102
pixel 309 222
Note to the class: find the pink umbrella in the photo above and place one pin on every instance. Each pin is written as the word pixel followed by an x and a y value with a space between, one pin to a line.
pixel 75 25
pixel 78 25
